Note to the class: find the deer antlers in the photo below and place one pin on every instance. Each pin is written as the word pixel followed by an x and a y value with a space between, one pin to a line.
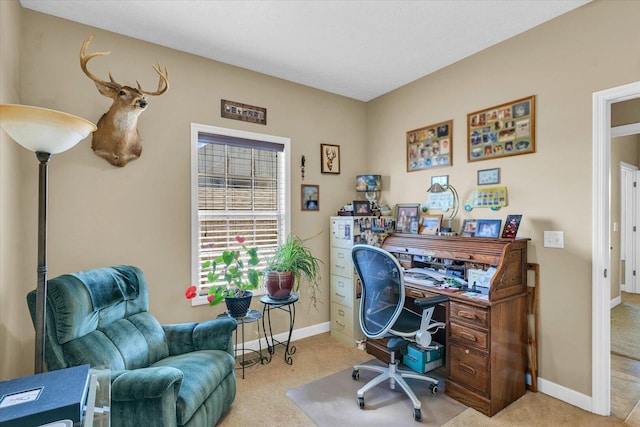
pixel 117 139
pixel 163 84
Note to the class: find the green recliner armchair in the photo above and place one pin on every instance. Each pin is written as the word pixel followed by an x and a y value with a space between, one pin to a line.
pixel 162 375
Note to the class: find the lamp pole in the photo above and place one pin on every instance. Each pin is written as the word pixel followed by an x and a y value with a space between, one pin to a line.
pixel 41 290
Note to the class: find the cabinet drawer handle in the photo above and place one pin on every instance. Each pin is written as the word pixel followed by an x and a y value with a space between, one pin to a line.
pixel 340 255
pixel 467 314
pixel 467 336
pixel 341 284
pixel 339 295
pixel 341 312
pixel 467 368
pixel 339 266
pixel 342 325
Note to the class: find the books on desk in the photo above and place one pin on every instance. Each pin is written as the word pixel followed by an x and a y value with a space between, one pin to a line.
pixel 44 398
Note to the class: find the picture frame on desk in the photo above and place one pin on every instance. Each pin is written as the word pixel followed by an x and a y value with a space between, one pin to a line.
pixel 430 224
pixel 361 208
pixel 511 225
pixel 407 218
pixel 468 228
pixel 488 228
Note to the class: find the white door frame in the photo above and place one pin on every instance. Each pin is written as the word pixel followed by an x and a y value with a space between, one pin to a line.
pixel 601 239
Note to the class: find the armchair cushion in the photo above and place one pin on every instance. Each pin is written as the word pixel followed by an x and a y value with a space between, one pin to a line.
pixel 162 375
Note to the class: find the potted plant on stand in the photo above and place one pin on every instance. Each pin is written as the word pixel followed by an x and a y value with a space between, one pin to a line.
pixel 291 263
pixel 239 283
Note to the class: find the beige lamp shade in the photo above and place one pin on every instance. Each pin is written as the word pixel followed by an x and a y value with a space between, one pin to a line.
pixel 43 130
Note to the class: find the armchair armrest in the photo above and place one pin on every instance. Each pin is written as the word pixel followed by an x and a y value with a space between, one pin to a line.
pixel 146 383
pixel 209 335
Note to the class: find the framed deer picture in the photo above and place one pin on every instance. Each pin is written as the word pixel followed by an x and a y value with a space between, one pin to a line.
pixel 330 158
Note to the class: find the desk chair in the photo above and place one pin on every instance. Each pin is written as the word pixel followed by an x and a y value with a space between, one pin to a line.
pixel 382 314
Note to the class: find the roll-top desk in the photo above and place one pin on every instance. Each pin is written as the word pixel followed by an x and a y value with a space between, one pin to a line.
pixel 486 334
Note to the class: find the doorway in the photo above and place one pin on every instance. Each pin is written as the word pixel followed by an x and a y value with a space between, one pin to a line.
pixel 601 265
pixel 628 221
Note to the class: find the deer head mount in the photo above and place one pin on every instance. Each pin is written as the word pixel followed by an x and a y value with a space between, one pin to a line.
pixel 117 138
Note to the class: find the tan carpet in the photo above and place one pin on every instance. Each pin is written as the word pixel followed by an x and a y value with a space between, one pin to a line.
pixel 261 398
pixel 625 339
pixel 332 401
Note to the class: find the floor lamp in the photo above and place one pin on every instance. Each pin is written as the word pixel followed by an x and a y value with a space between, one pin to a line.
pixel 44 132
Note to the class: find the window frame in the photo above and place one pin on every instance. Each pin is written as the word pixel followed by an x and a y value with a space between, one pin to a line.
pixel 196 130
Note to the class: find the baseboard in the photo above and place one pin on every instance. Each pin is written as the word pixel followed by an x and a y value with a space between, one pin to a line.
pixel 616 301
pixel 565 394
pixel 297 334
pixel 552 389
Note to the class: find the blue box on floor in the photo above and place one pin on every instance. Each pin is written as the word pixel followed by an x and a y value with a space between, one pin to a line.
pixel 424 360
pixel 44 398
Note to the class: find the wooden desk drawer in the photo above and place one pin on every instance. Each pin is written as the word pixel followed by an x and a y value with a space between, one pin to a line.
pixel 469 314
pixel 342 290
pixel 468 336
pixel 341 263
pixel 342 319
pixel 469 367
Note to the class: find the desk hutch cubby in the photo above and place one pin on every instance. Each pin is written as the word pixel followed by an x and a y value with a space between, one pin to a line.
pixel 486 333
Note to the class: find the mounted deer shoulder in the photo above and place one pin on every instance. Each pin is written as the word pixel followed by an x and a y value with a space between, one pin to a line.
pixel 117 139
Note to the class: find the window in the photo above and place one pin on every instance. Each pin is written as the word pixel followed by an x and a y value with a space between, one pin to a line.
pixel 239 188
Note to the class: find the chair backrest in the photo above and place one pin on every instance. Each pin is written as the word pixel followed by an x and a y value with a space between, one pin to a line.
pixel 100 317
pixel 382 289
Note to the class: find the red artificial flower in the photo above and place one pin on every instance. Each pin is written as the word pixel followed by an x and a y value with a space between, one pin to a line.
pixel 191 293
pixel 240 239
pixel 210 297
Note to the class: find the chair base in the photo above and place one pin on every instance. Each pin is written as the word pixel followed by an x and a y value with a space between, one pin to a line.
pixel 395 376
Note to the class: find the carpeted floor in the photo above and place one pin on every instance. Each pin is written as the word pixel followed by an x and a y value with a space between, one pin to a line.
pixel 625 339
pixel 331 401
pixel 261 397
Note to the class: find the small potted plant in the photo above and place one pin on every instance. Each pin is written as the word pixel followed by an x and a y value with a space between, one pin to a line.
pixel 291 263
pixel 237 291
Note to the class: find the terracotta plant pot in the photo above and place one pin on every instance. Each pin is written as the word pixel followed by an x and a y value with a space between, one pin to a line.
pixel 279 283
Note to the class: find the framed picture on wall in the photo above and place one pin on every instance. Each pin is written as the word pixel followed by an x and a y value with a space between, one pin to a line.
pixel 430 146
pixel 503 130
pixel 310 197
pixel 330 159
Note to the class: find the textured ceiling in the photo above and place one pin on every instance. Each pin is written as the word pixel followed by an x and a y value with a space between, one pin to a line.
pixel 358 49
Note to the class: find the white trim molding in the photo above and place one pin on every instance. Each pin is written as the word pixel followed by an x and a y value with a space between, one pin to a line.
pixel 601 239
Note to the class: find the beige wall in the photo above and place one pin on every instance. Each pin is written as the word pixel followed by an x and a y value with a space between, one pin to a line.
pixel 17 244
pixel 140 214
pixel 101 215
pixel 562 62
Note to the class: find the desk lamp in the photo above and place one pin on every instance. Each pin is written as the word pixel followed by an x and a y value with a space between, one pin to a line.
pixel 438 189
pixel 44 132
pixel 371 185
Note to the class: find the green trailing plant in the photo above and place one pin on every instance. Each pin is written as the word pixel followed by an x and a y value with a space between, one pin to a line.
pixel 294 256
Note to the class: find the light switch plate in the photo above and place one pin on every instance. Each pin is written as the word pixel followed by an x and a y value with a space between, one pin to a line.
pixel 554 239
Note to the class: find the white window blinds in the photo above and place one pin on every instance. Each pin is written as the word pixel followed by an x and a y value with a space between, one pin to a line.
pixel 240 193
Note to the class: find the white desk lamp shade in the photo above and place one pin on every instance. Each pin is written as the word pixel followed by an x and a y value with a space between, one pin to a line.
pixel 43 130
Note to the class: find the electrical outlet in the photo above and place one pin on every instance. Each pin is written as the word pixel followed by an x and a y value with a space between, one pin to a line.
pixel 554 239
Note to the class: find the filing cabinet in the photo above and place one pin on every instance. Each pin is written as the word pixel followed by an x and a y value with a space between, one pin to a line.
pixel 345 286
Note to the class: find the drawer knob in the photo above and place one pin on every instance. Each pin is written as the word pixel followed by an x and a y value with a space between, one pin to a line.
pixel 466 351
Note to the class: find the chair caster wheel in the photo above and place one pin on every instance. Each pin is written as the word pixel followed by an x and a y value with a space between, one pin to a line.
pixel 361 402
pixel 355 374
pixel 433 388
pixel 417 414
